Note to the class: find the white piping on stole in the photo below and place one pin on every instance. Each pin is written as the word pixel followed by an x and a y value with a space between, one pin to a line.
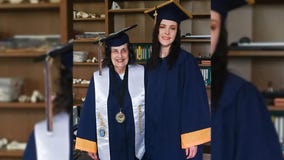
pixel 101 84
pixel 137 94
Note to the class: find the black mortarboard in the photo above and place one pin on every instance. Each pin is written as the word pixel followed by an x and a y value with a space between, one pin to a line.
pixel 113 40
pixel 170 10
pixel 224 6
pixel 118 38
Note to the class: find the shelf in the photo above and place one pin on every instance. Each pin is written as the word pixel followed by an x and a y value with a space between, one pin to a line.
pixel 18 105
pixel 276 108
pixel 88 19
pixel 86 1
pixel 27 6
pixel 187 40
pixel 204 65
pixel 77 102
pixel 86 40
pixel 81 85
pixel 85 64
pixel 138 0
pixel 28 53
pixel 269 2
pixel 201 15
pixel 129 10
pixel 11 154
pixel 256 53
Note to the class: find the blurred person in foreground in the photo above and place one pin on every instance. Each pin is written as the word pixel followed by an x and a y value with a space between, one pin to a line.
pixel 241 125
pixel 46 142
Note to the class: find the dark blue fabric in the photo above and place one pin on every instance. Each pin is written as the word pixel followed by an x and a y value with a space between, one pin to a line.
pixel 121 136
pixel 176 103
pixel 241 125
pixel 118 40
pixel 30 151
pixel 87 123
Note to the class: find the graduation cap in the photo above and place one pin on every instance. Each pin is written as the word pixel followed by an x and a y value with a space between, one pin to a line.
pixel 117 38
pixel 224 6
pixel 66 58
pixel 170 10
pixel 113 40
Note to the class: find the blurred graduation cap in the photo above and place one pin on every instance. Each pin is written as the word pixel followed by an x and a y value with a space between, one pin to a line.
pixel 113 40
pixel 65 53
pixel 66 58
pixel 224 6
pixel 170 10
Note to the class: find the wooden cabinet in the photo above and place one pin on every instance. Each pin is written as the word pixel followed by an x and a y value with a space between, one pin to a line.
pixel 17 119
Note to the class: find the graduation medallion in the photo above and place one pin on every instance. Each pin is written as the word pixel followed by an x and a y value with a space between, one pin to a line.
pixel 120 117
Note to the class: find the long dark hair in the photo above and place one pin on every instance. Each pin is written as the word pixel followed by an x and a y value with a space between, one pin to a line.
pixel 107 59
pixel 64 96
pixel 219 66
pixel 156 47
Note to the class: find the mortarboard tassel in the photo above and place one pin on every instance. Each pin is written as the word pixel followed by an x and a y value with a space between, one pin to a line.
pixel 100 57
pixel 48 101
pixel 155 15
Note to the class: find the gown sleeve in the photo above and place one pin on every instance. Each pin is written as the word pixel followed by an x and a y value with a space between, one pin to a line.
pixel 86 136
pixel 195 116
pixel 256 137
pixel 30 151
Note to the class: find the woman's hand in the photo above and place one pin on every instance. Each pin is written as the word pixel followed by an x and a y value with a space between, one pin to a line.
pixel 191 152
pixel 93 155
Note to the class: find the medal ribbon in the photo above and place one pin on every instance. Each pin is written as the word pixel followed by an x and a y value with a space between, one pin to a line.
pixel 120 93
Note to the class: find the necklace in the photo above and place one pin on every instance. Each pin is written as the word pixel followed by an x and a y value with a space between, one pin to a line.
pixel 120 116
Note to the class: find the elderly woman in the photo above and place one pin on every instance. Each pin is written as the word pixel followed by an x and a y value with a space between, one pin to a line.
pixel 112 121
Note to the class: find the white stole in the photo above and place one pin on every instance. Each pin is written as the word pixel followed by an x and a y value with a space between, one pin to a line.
pixel 137 94
pixel 55 144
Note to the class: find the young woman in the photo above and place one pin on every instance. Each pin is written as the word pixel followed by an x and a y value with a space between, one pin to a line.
pixel 177 111
pixel 112 121
pixel 241 124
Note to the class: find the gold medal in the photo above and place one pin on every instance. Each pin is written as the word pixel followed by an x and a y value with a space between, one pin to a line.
pixel 120 117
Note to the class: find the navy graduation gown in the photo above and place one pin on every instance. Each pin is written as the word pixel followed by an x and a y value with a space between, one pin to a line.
pixel 121 136
pixel 30 151
pixel 176 105
pixel 241 125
